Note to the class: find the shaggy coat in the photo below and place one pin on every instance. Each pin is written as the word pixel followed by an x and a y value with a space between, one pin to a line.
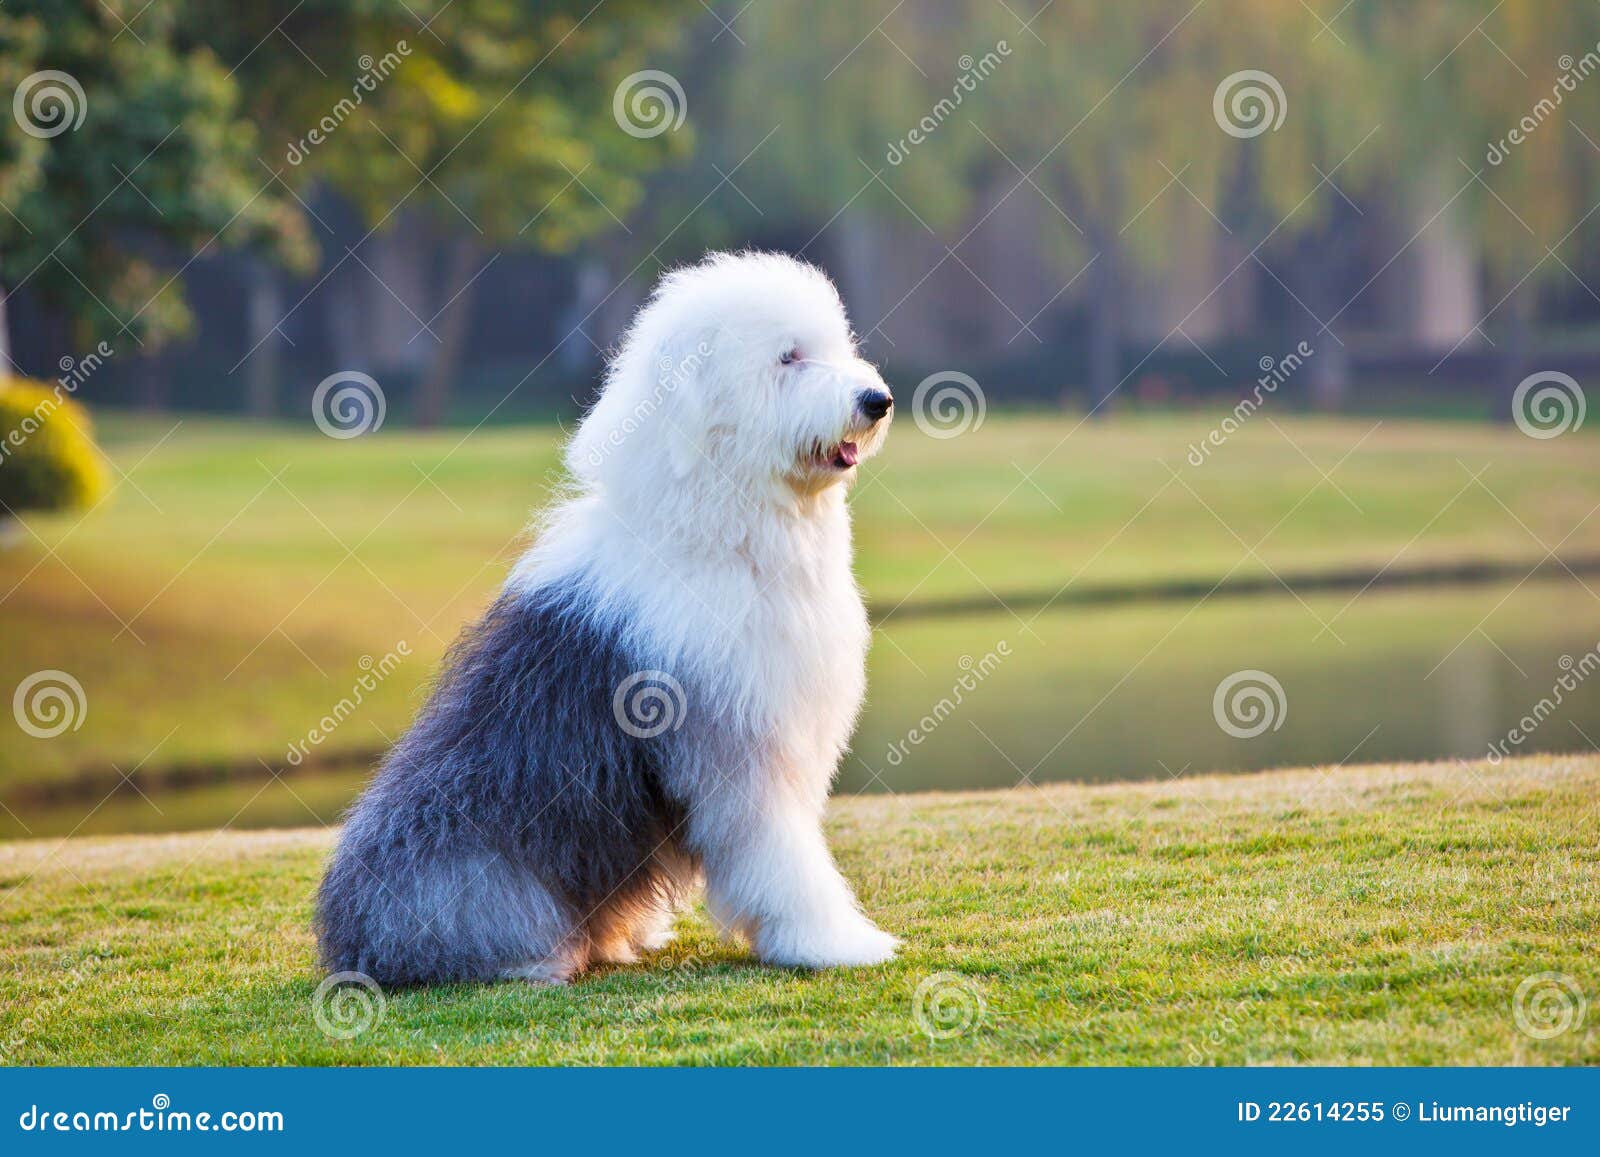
pixel 663 690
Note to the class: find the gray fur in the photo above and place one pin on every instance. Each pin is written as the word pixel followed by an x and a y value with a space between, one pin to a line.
pixel 514 819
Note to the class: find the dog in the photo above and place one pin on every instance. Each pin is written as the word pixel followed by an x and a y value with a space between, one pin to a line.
pixel 660 695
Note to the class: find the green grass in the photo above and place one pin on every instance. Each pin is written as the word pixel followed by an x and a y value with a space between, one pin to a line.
pixel 1380 914
pixel 219 604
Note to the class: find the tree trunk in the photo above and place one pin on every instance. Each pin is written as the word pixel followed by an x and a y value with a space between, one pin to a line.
pixel 152 378
pixel 1325 266
pixel 861 268
pixel 1105 326
pixel 1440 294
pixel 7 365
pixel 433 391
pixel 264 311
pixel 405 259
pixel 592 283
pixel 1330 374
pixel 1515 353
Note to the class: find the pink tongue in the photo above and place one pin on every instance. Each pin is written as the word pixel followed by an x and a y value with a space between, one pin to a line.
pixel 847 453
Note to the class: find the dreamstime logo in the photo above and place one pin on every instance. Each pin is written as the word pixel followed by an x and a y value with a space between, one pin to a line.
pixel 1572 71
pixel 972 71
pixel 48 703
pixel 373 73
pixel 347 1004
pixel 1248 702
pixel 649 103
pixel 948 404
pixel 1248 103
pixel 75 971
pixel 947 1005
pixel 348 404
pixel 1548 1004
pixel 1274 372
pixel 1548 404
pixel 48 103
pixel 671 974
pixel 671 377
pixel 373 673
pixel 74 372
pixel 973 673
pixel 1239 1017
pixel 648 703
pixel 1573 674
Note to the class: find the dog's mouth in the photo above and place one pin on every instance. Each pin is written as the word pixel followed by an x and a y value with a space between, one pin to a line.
pixel 839 456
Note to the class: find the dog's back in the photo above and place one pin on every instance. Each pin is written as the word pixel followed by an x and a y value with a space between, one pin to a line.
pixel 512 811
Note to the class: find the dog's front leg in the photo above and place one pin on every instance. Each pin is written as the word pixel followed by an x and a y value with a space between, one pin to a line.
pixel 770 877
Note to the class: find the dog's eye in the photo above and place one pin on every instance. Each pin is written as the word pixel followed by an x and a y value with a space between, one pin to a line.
pixel 788 357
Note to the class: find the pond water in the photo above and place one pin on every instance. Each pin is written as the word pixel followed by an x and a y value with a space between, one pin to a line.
pixel 1132 692
pixel 1127 693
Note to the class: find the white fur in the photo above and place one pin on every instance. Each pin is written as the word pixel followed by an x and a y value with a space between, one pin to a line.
pixel 722 549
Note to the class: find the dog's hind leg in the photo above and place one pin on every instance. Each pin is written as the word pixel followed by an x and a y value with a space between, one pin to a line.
pixel 655 932
pixel 641 921
pixel 611 932
pixel 676 885
pixel 404 920
pixel 650 930
pixel 558 966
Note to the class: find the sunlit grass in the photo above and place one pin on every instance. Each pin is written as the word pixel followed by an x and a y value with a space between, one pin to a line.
pixel 1362 915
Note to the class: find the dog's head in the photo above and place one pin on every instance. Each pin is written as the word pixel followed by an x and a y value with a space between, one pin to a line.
pixel 741 369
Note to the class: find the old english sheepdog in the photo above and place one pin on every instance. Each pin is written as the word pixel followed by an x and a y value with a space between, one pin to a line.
pixel 662 691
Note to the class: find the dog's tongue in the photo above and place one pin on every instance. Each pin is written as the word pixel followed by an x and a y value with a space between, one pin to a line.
pixel 846 456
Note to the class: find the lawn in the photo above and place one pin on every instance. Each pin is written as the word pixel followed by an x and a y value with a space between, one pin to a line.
pixel 222 600
pixel 1363 915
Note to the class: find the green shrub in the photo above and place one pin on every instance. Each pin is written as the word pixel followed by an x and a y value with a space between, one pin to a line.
pixel 48 459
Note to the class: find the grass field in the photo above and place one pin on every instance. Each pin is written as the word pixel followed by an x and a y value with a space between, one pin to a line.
pixel 219 604
pixel 1383 914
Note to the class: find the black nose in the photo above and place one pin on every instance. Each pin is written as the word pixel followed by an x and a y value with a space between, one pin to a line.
pixel 874 403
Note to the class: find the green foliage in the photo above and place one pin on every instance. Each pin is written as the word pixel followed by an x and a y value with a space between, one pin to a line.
pixel 188 112
pixel 1535 64
pixel 48 459
pixel 1106 107
pixel 496 121
pixel 159 166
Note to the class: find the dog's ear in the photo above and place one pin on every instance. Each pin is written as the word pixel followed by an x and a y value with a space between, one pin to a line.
pixel 682 370
pixel 653 391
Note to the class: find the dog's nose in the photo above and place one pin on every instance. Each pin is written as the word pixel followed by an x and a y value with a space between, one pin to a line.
pixel 874 403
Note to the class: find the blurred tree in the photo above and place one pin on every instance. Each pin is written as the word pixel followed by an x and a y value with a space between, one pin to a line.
pixel 813 105
pixel 127 156
pixel 1509 119
pixel 1304 134
pixel 1295 189
pixel 1109 112
pixel 1064 103
pixel 484 123
pixel 1261 122
pixel 1405 110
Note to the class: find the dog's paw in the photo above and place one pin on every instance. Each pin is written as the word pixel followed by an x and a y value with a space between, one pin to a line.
pixel 871 945
pixel 852 944
pixel 543 971
pixel 616 952
pixel 656 940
